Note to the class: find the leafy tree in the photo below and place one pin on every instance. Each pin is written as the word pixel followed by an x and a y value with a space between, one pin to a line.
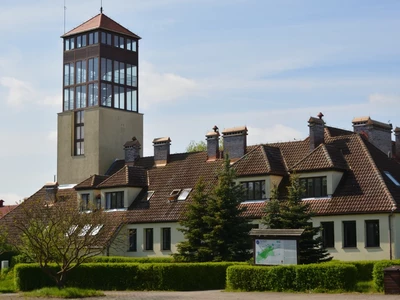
pixel 56 232
pixel 214 227
pixel 293 213
pixel 196 146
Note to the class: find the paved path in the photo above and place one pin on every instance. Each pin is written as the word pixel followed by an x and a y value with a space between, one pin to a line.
pixel 221 295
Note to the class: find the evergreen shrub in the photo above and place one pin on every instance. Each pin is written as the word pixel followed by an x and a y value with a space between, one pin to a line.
pixel 292 278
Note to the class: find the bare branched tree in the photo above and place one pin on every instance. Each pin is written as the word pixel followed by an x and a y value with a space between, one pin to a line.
pixel 57 232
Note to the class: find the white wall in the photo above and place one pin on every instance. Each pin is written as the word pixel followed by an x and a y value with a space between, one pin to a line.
pixel 120 245
pixel 361 252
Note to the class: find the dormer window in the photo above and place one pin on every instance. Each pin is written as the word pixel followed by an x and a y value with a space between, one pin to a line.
pixel 254 190
pixel 314 187
pixel 115 200
pixel 85 202
pixel 184 194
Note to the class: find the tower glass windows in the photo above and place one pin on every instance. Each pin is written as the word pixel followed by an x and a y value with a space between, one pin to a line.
pixel 69 74
pixel 106 69
pixel 81 96
pixel 69 98
pixel 93 38
pixel 93 94
pixel 106 94
pixel 93 69
pixel 80 71
pixel 79 133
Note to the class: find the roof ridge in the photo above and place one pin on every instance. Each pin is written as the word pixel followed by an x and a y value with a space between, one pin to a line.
pixel 269 168
pixel 111 176
pixel 126 174
pixel 87 21
pixel 327 155
pixel 246 154
pixel 308 155
pixel 378 173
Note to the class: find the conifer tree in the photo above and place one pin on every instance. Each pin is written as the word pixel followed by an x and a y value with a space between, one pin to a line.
pixel 213 225
pixel 293 213
pixel 228 238
pixel 194 228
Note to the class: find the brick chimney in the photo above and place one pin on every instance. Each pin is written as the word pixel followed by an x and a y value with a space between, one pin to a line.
pixel 212 139
pixel 161 151
pixel 397 147
pixel 1 203
pixel 235 141
pixel 379 134
pixel 132 151
pixel 316 131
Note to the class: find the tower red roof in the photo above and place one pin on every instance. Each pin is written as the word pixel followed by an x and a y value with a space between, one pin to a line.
pixel 101 21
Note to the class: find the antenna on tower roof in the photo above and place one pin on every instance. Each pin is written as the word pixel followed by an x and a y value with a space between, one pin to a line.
pixel 101 6
pixel 65 14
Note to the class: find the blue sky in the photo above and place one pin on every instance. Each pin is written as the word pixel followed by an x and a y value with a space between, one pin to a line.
pixel 269 65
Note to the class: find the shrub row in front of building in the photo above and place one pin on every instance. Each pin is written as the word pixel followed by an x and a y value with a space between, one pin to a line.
pixel 378 273
pixel 131 276
pixel 292 278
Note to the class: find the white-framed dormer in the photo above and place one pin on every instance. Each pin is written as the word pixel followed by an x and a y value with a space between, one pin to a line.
pixel 258 188
pixel 88 200
pixel 330 178
pixel 118 198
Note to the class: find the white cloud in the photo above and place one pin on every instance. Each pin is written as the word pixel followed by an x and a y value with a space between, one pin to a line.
pixel 18 91
pixel 21 92
pixel 382 99
pixel 159 87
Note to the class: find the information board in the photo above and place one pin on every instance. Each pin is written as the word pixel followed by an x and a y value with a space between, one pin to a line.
pixel 275 252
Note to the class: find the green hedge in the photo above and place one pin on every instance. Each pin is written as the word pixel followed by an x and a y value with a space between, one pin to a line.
pixel 292 278
pixel 378 274
pixel 129 276
pixel 364 268
pixel 124 259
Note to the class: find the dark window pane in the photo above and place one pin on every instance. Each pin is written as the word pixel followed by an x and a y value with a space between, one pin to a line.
pixel 148 239
pixel 166 238
pixel 132 240
pixel 349 234
pixel 328 235
pixel 372 233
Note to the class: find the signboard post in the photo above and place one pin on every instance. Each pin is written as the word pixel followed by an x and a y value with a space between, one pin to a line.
pixel 275 246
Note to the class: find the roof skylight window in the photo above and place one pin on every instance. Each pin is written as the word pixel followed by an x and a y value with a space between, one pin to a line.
pixel 96 229
pixel 184 194
pixel 174 194
pixel 85 230
pixel 71 230
pixel 392 178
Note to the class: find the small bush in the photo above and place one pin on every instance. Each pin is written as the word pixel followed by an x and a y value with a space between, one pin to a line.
pixel 378 274
pixel 295 278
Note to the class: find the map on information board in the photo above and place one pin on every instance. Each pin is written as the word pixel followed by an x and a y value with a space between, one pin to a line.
pixel 275 252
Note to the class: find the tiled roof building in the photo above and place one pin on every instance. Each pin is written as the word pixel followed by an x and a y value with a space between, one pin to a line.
pixel 351 178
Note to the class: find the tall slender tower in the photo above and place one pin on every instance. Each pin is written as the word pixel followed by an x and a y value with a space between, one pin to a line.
pixel 100 98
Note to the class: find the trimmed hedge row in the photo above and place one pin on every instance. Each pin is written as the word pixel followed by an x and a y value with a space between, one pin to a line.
pixel 129 276
pixel 294 278
pixel 378 274
pixel 122 259
pixel 364 268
